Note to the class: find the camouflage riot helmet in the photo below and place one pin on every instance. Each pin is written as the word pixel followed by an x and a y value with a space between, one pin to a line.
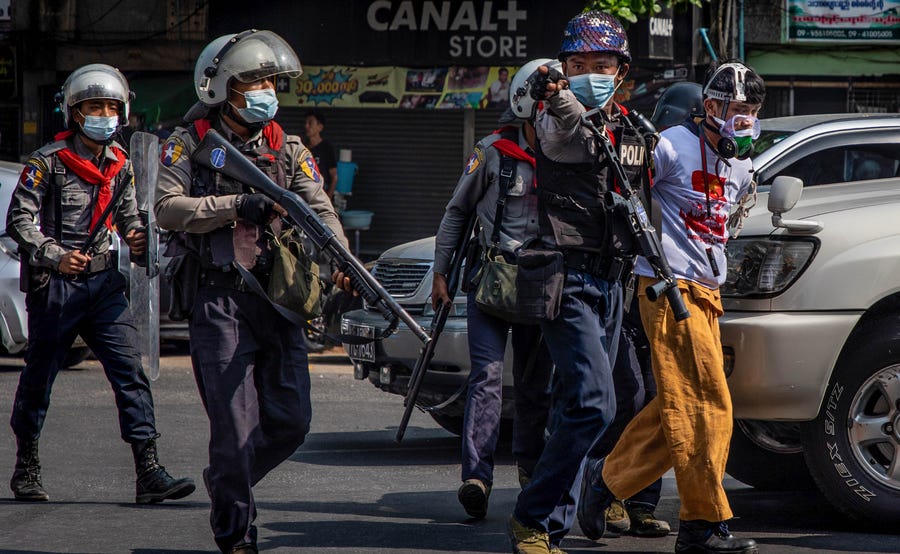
pixel 595 31
pixel 248 56
pixel 92 82
pixel 676 104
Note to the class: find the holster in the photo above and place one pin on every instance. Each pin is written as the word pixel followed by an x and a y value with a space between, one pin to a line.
pixel 183 275
pixel 31 278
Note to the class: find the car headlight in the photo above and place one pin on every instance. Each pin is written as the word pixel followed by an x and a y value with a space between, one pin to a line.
pixel 458 309
pixel 763 267
pixel 9 247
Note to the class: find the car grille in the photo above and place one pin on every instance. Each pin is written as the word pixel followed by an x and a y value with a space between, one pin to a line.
pixel 401 278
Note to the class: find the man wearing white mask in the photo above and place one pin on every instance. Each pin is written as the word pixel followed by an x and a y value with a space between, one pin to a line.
pixel 701 171
pixel 70 278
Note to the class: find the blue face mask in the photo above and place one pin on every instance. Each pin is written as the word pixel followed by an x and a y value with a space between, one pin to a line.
pixel 100 128
pixel 593 90
pixel 262 105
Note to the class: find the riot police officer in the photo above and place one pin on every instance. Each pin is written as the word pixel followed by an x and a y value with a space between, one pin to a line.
pixel 498 182
pixel 250 362
pixel 573 175
pixel 676 105
pixel 72 285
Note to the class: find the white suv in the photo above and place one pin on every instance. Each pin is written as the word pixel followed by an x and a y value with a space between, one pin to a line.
pixel 811 330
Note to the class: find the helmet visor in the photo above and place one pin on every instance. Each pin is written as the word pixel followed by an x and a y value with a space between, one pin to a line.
pixel 94 82
pixel 260 55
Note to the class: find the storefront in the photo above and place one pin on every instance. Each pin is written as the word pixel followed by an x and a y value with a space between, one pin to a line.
pixel 409 86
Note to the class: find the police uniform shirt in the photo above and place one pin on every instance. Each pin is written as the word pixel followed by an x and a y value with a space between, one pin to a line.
pixel 560 133
pixel 691 221
pixel 478 189
pixel 33 201
pixel 176 210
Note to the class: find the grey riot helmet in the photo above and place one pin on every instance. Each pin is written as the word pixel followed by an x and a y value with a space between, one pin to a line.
pixel 521 104
pixel 677 104
pixel 248 56
pixel 95 81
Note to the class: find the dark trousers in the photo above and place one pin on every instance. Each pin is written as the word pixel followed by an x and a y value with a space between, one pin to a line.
pixel 95 307
pixel 635 388
pixel 532 368
pixel 252 371
pixel 583 341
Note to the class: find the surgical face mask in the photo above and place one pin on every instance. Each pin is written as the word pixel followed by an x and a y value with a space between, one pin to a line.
pixel 593 90
pixel 99 128
pixel 744 136
pixel 262 105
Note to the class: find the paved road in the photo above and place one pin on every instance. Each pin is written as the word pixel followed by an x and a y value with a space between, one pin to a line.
pixel 350 488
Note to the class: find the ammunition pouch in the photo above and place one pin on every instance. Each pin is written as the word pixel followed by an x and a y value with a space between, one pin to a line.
pixel 183 275
pixel 540 279
pixel 31 278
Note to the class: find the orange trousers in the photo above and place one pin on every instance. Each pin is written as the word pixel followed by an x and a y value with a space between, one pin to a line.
pixel 688 425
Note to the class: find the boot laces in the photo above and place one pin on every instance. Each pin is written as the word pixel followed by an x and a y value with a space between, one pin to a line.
pixel 721 529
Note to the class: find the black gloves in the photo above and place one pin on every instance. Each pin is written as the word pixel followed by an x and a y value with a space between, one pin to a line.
pixel 538 81
pixel 255 208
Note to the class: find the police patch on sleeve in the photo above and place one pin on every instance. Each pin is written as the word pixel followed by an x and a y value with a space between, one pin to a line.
pixel 171 151
pixel 475 161
pixel 33 173
pixel 310 169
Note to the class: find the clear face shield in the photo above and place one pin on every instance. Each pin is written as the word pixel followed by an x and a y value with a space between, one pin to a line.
pixel 96 81
pixel 260 55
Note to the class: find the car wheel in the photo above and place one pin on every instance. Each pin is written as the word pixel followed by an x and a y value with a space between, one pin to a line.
pixel 853 447
pixel 75 356
pixel 768 456
pixel 451 423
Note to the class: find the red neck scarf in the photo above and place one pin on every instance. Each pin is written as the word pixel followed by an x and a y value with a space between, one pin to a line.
pixel 88 172
pixel 513 150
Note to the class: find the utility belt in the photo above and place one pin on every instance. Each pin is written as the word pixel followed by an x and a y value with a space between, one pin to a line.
pixel 609 268
pixel 231 279
pixel 98 263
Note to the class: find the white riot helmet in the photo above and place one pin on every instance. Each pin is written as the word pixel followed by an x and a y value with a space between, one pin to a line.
pixel 247 57
pixel 521 104
pixel 95 81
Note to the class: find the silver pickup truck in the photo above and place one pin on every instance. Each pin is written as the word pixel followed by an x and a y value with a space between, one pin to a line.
pixel 811 331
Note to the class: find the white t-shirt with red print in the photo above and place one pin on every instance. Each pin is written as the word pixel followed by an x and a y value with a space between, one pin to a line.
pixel 694 210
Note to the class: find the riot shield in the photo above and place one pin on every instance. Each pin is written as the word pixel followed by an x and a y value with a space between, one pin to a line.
pixel 144 282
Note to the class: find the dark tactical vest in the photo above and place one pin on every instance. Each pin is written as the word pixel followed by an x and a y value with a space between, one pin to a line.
pixel 244 241
pixel 572 209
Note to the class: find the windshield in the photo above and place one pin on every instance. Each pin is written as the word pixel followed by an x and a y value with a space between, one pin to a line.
pixel 767 139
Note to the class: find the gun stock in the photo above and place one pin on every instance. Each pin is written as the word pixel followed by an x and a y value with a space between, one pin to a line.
pixel 417 377
pixel 217 154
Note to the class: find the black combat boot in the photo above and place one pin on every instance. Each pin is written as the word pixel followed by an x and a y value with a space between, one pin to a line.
pixel 702 537
pixel 154 484
pixel 26 480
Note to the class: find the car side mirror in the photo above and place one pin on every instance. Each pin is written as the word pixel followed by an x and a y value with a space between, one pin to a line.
pixel 783 196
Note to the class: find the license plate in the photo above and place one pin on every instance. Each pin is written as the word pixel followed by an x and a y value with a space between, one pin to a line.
pixel 361 352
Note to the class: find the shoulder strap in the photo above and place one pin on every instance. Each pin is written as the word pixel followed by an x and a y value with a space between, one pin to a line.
pixel 507 176
pixel 58 182
pixel 256 287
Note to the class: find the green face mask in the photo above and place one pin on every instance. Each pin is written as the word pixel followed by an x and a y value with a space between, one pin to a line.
pixel 744 146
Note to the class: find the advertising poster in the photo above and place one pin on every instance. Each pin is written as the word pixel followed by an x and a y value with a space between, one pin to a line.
pixel 398 87
pixel 843 20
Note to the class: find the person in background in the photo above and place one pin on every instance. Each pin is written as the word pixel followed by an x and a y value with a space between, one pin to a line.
pixel 321 149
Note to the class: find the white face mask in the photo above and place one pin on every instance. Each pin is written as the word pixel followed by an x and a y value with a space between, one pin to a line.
pixel 99 128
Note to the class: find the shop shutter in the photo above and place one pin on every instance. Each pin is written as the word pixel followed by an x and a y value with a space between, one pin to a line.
pixel 409 162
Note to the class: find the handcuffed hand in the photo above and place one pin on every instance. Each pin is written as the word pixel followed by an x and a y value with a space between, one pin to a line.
pixel 546 82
